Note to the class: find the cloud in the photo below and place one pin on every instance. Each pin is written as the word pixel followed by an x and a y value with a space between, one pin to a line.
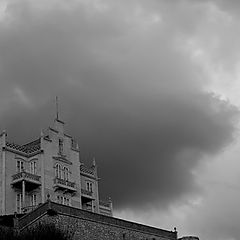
pixel 217 214
pixel 128 91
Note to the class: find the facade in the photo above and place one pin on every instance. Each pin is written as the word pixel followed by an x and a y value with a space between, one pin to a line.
pixel 47 166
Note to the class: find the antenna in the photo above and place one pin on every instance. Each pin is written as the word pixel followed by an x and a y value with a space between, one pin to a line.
pixel 57 107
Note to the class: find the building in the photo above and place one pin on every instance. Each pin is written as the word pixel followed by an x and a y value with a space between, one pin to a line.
pixel 47 166
pixel 43 182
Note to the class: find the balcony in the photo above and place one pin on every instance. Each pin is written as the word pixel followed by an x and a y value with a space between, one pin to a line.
pixel 64 185
pixel 31 180
pixel 86 193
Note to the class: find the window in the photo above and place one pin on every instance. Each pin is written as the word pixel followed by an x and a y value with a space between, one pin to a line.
pixel 19 202
pixel 33 200
pixel 66 173
pixel 89 186
pixel 62 172
pixel 58 170
pixel 33 167
pixel 60 146
pixel 66 201
pixel 63 200
pixel 20 167
pixel 73 144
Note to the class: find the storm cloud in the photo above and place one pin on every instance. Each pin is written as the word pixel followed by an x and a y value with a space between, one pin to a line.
pixel 129 93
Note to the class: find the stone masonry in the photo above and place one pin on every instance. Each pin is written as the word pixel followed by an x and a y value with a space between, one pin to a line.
pixel 87 225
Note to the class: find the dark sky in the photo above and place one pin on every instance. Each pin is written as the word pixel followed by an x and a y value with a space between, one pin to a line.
pixel 131 91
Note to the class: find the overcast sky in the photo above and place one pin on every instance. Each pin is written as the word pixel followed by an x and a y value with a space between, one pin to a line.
pixel 150 88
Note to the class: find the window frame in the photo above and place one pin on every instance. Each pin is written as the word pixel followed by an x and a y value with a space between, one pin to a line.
pixel 66 173
pixel 19 202
pixel 33 167
pixel 60 146
pixel 19 166
pixel 58 170
pixel 89 186
pixel 33 200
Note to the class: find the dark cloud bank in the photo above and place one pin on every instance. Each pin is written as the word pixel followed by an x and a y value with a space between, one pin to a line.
pixel 131 99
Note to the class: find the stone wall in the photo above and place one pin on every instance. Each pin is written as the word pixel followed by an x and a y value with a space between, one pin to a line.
pixel 91 226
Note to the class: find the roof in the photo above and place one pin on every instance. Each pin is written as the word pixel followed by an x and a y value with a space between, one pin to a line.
pixel 27 149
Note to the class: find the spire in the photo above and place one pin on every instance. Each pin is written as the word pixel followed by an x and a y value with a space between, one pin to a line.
pixel 58 124
pixel 94 162
pixel 57 117
pixel 42 134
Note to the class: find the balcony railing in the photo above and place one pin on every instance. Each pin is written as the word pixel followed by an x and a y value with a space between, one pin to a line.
pixel 64 184
pixel 86 193
pixel 28 177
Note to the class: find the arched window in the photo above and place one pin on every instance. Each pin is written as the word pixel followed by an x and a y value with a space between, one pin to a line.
pixel 33 167
pixel 66 173
pixel 58 170
pixel 89 186
pixel 20 166
pixel 63 173
pixel 60 146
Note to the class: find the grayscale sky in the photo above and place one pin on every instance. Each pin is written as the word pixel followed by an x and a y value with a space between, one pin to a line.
pixel 150 88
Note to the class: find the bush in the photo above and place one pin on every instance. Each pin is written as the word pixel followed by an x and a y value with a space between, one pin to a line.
pixel 7 233
pixel 38 232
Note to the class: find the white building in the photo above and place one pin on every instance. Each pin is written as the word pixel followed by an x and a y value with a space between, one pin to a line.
pixel 47 166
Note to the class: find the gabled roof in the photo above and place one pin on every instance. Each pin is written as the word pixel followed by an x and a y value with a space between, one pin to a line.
pixel 27 150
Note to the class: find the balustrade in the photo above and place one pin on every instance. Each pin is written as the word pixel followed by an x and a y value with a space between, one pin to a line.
pixel 25 176
pixel 86 192
pixel 64 184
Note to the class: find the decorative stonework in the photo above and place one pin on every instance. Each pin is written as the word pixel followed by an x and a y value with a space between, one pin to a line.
pixel 62 159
